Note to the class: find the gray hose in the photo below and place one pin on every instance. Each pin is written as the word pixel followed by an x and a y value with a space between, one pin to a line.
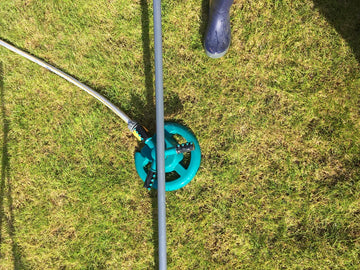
pixel 67 77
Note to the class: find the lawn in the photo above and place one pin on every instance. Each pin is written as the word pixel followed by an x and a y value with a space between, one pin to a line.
pixel 277 119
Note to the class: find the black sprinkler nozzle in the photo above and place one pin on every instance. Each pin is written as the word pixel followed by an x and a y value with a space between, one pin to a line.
pixel 150 178
pixel 185 147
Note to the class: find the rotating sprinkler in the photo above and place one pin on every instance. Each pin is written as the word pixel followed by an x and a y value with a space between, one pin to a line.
pixel 170 158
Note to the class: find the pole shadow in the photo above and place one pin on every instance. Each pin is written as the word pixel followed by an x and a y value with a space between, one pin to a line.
pixel 6 200
pixel 344 16
pixel 148 111
pixel 155 238
pixel 145 110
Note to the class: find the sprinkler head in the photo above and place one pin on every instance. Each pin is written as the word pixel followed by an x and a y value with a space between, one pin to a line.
pixel 182 159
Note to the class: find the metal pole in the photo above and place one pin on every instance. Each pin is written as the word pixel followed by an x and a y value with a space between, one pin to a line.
pixel 160 136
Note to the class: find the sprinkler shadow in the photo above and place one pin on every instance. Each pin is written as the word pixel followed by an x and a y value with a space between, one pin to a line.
pixel 6 200
pixel 344 16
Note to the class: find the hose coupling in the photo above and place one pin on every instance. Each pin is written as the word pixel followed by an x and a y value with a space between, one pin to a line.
pixel 138 130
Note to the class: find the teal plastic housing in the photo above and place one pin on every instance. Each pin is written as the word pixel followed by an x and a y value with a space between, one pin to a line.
pixel 145 160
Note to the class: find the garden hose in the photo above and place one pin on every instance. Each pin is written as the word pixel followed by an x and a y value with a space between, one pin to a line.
pixel 69 78
pixel 139 131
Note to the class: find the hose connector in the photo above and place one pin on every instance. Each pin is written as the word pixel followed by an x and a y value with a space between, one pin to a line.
pixel 138 130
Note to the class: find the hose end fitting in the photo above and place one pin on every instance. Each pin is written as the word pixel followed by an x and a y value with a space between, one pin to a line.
pixel 138 130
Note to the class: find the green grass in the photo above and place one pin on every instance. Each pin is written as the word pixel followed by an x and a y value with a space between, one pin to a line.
pixel 277 119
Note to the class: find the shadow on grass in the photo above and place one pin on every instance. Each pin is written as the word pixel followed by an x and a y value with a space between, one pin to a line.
pixel 145 112
pixel 344 16
pixel 148 110
pixel 155 239
pixel 6 201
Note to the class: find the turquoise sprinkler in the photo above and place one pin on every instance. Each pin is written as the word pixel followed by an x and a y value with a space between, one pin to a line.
pixel 182 160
